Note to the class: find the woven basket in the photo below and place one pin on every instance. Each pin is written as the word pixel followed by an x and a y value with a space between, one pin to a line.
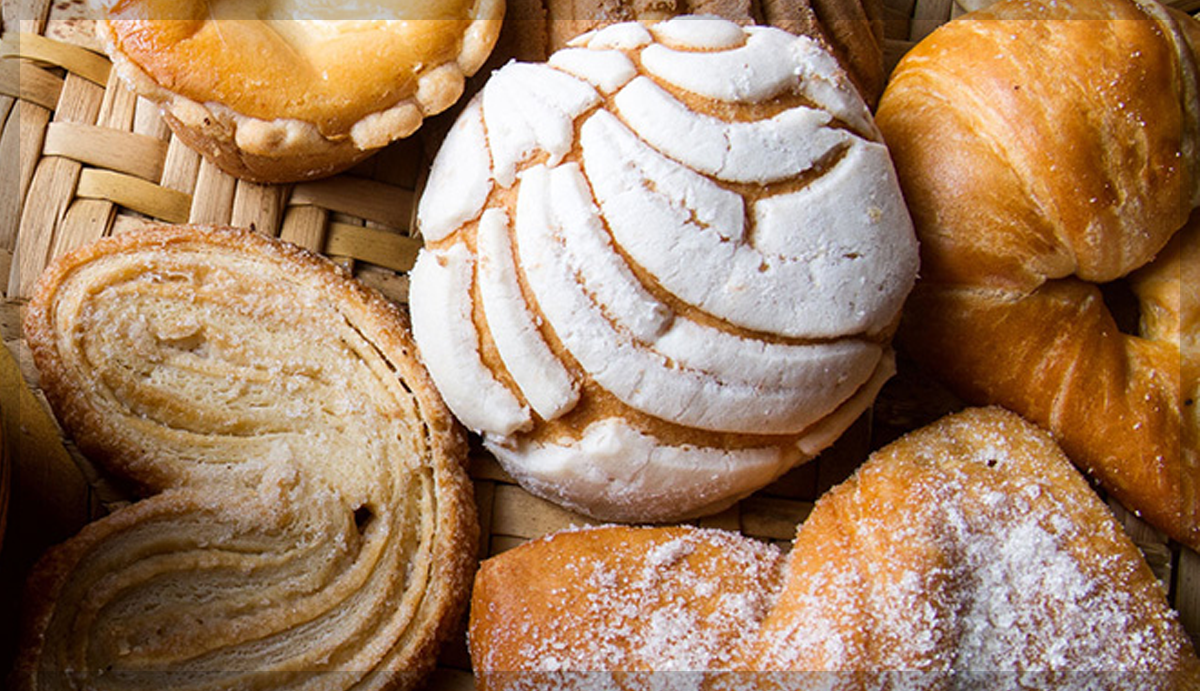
pixel 82 158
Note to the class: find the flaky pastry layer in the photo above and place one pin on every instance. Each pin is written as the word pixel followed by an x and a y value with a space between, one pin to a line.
pixel 1038 179
pixel 307 516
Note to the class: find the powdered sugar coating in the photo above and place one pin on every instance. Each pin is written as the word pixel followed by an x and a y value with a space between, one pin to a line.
pixel 969 552
pixel 669 600
pixel 1004 561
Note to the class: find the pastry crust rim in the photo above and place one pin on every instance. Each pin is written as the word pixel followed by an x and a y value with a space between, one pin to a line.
pixel 438 87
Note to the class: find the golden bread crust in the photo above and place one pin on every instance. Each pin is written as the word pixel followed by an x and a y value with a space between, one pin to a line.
pixel 259 91
pixel 971 545
pixel 308 510
pixel 684 570
pixel 1045 148
pixel 979 497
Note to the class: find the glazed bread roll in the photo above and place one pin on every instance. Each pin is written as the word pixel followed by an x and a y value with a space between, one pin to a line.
pixel 969 546
pixel 663 268
pixel 1044 157
pixel 308 520
pixel 287 90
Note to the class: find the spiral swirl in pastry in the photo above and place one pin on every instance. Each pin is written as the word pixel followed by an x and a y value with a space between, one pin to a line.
pixel 308 523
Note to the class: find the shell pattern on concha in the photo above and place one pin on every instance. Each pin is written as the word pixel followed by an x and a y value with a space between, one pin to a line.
pixel 662 268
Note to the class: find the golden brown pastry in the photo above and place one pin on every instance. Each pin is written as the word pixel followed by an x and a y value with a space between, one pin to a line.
pixel 663 267
pixel 308 517
pixel 1043 156
pixel 286 90
pixel 667 599
pixel 968 547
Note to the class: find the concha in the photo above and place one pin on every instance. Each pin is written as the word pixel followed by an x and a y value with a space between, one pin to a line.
pixel 662 268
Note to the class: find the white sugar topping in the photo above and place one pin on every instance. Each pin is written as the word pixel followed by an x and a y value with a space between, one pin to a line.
pixel 1007 588
pixel 618 470
pixel 998 561
pixel 650 621
pixel 652 215
pixel 699 33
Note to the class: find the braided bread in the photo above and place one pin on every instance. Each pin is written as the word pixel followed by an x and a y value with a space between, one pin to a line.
pixel 971 545
pixel 1047 150
pixel 663 268
pixel 308 517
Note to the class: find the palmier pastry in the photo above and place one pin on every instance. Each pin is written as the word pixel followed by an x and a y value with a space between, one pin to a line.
pixel 287 90
pixel 662 268
pixel 308 519
pixel 1048 151
pixel 970 546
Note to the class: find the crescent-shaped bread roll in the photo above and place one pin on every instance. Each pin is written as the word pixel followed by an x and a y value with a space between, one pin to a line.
pixel 1046 150
pixel 969 547
pixel 307 520
pixel 289 90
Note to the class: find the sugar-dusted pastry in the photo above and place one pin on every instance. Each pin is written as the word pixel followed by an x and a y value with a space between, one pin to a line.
pixel 1049 151
pixel 662 268
pixel 970 551
pixel 308 521
pixel 286 90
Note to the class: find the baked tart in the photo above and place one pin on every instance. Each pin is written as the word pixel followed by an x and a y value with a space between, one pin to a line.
pixel 288 90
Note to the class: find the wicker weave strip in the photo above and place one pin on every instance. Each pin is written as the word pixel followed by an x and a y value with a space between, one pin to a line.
pixel 305 226
pixel 385 248
pixel 126 152
pixel 52 188
pixel 180 168
pixel 927 16
pixel 23 132
pixel 136 194
pixel 13 180
pixel 85 222
pixel 29 83
pixel 369 199
pixel 1187 592
pixel 77 60
pixel 212 199
pixel 516 513
pixel 773 519
pixel 258 207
